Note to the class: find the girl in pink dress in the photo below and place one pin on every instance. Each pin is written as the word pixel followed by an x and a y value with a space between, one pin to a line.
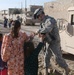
pixel 12 50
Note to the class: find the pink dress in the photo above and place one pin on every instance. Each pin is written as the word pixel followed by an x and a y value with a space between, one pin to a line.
pixel 12 53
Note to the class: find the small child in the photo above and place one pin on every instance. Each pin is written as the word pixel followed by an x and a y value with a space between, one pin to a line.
pixel 31 57
pixel 3 65
pixel 31 61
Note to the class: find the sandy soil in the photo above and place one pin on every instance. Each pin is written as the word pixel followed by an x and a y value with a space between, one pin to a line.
pixel 70 62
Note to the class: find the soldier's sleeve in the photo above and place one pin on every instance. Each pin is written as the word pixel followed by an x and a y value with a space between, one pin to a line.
pixel 48 26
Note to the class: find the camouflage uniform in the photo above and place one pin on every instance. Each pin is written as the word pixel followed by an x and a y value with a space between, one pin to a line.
pixel 49 26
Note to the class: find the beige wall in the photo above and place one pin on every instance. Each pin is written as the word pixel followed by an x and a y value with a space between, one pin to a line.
pixel 57 9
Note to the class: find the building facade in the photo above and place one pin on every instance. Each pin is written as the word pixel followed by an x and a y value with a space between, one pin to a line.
pixel 58 8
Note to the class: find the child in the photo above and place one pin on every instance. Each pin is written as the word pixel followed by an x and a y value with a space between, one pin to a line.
pixel 31 60
pixel 3 65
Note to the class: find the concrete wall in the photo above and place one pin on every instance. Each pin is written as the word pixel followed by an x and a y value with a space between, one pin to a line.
pixel 57 9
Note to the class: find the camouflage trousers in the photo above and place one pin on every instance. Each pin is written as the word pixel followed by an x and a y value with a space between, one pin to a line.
pixel 54 48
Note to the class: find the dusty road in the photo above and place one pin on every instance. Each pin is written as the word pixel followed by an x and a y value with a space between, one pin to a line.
pixel 68 57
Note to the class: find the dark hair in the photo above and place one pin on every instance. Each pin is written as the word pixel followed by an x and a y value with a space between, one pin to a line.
pixel 15 27
pixel 1 36
pixel 28 48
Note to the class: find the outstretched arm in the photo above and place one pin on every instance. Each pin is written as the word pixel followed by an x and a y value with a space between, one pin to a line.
pixel 38 48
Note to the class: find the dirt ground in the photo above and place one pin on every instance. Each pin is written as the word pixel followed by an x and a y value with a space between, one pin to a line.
pixel 69 59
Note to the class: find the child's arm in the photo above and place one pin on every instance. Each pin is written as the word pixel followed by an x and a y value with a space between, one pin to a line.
pixel 40 45
pixel 38 48
pixel 6 48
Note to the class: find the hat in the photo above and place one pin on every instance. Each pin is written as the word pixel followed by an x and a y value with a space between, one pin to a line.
pixel 37 13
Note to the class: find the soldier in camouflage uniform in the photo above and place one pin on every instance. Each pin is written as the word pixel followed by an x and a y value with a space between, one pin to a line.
pixel 50 29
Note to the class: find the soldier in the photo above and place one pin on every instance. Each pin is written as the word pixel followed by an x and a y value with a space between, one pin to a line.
pixel 50 29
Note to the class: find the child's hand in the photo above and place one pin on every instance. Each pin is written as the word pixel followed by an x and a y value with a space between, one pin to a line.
pixel 32 35
pixel 42 38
